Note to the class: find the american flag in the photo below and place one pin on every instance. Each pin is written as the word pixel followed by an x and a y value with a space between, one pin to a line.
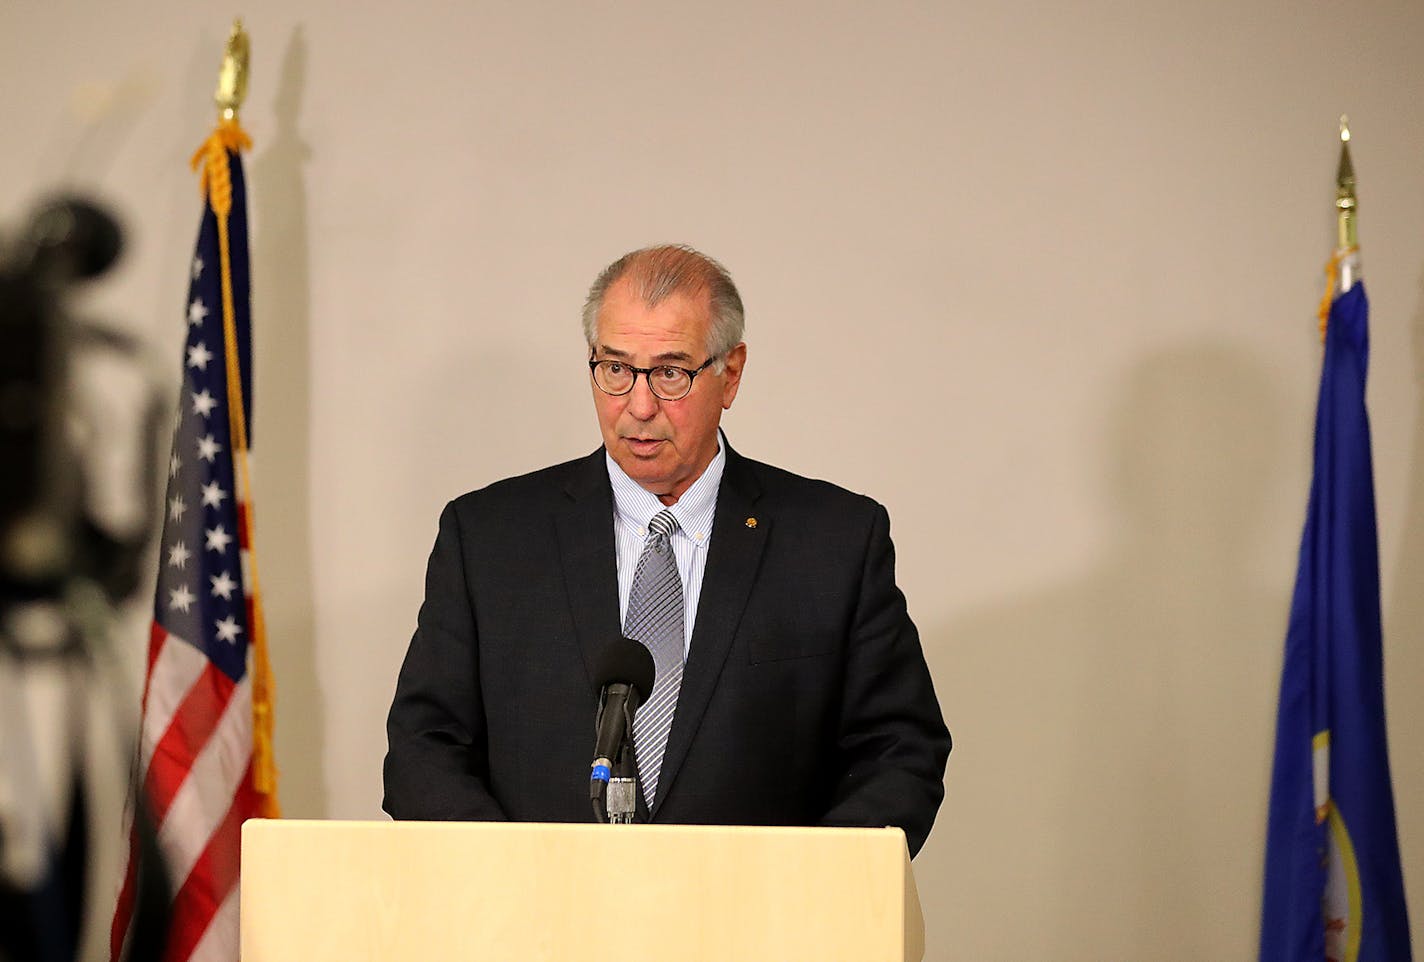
pixel 197 770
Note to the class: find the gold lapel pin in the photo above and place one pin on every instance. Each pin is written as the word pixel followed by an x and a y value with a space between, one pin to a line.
pixel 751 522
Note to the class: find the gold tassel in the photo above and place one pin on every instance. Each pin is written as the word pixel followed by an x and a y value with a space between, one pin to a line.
pixel 216 180
pixel 1332 277
pixel 216 184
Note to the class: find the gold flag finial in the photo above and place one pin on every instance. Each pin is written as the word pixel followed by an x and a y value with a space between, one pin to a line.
pixel 232 78
pixel 1343 271
pixel 1345 201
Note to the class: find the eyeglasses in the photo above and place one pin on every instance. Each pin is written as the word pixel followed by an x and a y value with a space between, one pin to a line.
pixel 667 381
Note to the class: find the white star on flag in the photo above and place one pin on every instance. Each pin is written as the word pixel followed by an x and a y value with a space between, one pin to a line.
pixel 197 267
pixel 178 555
pixel 180 598
pixel 218 539
pixel 173 465
pixel 199 356
pixel 228 629
pixel 196 312
pixel 222 586
pixel 176 507
pixel 204 402
pixel 208 448
pixel 213 495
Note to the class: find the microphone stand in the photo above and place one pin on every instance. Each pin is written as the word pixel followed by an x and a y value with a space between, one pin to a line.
pixel 613 787
pixel 622 802
pixel 614 781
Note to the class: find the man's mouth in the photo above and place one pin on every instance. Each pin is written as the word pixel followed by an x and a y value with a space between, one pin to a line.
pixel 643 446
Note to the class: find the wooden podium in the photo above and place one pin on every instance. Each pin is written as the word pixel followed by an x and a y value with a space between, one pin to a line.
pixel 426 891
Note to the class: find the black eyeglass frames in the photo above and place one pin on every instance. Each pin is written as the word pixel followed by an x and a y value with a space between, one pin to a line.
pixel 667 381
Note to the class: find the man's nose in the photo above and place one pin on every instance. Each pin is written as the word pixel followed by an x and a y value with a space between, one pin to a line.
pixel 642 402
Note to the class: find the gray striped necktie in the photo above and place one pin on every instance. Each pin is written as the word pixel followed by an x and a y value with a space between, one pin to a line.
pixel 655 616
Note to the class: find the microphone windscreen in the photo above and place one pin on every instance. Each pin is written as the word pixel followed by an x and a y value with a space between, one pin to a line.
pixel 626 661
pixel 74 239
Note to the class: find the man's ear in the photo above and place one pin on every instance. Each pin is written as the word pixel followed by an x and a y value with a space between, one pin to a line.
pixel 732 374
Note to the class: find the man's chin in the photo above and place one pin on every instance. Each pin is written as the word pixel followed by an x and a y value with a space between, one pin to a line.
pixel 648 473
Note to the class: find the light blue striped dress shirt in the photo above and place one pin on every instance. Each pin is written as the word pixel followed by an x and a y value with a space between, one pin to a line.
pixel 634 507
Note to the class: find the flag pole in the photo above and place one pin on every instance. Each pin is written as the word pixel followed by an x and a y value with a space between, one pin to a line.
pixel 1343 270
pixel 216 182
pixel 1345 201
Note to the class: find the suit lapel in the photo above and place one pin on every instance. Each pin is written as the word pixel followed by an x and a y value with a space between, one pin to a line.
pixel 738 536
pixel 586 554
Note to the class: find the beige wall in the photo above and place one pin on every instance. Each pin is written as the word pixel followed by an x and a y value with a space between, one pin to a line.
pixel 1040 277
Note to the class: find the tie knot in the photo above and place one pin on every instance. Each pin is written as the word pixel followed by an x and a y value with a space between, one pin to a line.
pixel 663 524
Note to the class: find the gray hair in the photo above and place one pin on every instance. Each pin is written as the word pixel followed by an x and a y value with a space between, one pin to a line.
pixel 659 272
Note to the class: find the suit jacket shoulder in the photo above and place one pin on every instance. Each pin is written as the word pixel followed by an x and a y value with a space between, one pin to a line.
pixel 815 520
pixel 798 490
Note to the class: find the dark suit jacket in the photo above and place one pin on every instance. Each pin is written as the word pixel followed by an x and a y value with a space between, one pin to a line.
pixel 805 699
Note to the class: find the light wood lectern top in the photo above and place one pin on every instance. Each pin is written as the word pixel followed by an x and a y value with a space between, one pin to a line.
pixel 425 891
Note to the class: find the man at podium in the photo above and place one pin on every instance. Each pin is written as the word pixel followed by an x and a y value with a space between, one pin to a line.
pixel 790 686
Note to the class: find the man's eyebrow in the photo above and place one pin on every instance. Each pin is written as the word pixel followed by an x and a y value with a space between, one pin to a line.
pixel 664 358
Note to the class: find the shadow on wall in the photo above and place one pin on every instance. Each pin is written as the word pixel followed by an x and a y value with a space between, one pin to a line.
pixel 1106 795
pixel 1404 654
pixel 281 443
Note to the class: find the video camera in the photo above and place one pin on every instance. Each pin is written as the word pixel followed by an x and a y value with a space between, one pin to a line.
pixel 66 705
pixel 48 536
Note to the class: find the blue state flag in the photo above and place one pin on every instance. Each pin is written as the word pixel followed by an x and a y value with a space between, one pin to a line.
pixel 1333 885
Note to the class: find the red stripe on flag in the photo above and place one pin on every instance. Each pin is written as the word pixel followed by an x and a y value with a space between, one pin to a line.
pixel 157 638
pixel 193 724
pixel 123 913
pixel 123 910
pixel 213 876
pixel 244 526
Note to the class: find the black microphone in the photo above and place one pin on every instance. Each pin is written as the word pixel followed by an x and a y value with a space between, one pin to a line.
pixel 71 239
pixel 623 677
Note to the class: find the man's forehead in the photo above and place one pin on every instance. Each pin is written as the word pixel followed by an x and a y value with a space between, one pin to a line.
pixel 675 326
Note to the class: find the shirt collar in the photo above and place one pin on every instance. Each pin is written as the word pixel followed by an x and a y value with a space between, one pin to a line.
pixel 634 505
